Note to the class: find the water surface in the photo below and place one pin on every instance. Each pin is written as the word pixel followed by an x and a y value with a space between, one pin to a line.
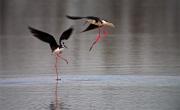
pixel 136 67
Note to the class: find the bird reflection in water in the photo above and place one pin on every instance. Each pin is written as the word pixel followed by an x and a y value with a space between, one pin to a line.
pixel 57 104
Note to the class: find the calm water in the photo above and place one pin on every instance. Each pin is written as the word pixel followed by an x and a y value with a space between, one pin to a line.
pixel 136 67
pixel 92 92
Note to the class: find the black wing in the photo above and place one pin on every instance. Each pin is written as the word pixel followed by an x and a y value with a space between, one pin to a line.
pixel 66 34
pixel 74 17
pixel 44 37
pixel 94 18
pixel 87 17
pixel 90 27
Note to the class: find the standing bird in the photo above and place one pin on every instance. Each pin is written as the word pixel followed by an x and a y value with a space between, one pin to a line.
pixel 94 22
pixel 56 49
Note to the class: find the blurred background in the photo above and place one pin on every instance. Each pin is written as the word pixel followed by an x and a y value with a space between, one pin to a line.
pixel 136 67
pixel 145 40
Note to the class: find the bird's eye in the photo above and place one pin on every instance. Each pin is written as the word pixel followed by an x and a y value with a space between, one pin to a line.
pixel 64 45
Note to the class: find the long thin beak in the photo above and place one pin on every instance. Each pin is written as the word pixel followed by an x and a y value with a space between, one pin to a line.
pixel 65 46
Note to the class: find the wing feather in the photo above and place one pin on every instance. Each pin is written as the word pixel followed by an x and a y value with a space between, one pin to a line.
pixel 66 34
pixel 43 36
pixel 87 17
pixel 90 27
pixel 74 17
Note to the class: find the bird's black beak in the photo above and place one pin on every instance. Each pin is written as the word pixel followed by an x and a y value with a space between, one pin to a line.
pixel 65 46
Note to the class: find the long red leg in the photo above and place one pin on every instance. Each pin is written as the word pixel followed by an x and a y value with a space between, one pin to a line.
pixel 105 33
pixel 56 67
pixel 62 58
pixel 96 41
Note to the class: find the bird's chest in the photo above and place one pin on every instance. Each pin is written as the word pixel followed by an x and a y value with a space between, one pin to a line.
pixel 58 51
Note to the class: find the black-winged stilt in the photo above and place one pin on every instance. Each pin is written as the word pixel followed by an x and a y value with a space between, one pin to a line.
pixel 56 49
pixel 94 22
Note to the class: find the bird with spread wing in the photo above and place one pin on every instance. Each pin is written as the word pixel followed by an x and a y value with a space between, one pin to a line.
pixel 94 23
pixel 56 48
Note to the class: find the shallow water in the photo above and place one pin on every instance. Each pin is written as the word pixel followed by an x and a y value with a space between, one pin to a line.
pixel 136 67
pixel 88 92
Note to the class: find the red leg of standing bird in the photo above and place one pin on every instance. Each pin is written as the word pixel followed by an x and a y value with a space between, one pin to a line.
pixel 96 41
pixel 62 58
pixel 56 64
pixel 56 67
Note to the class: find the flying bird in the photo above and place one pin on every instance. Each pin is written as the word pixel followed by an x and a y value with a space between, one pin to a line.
pixel 56 48
pixel 94 23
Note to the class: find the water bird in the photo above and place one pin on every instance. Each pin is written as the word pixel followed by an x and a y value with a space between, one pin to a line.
pixel 56 49
pixel 94 23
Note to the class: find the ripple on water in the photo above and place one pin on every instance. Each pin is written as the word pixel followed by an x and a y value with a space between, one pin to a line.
pixel 123 80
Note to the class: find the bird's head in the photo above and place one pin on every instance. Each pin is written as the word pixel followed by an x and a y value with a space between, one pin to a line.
pixel 63 45
pixel 106 23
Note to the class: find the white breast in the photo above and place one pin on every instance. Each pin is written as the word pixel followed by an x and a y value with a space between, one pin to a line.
pixel 58 50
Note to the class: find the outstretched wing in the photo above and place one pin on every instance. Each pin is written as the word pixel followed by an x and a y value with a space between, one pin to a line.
pixel 94 18
pixel 90 27
pixel 66 34
pixel 74 17
pixel 87 17
pixel 44 37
